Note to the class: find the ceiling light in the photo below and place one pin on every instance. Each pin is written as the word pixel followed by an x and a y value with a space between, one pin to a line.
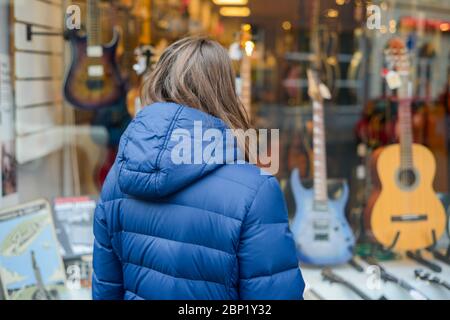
pixel 286 25
pixel 249 47
pixel 235 11
pixel 230 2
pixel 332 13
pixel 247 27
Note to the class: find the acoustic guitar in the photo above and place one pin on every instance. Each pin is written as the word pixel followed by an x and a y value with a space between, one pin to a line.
pixel 321 231
pixel 407 215
pixel 94 79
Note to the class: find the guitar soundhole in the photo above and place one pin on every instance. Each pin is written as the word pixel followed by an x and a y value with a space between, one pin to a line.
pixel 407 178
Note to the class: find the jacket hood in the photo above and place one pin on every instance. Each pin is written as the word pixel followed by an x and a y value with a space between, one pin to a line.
pixel 168 147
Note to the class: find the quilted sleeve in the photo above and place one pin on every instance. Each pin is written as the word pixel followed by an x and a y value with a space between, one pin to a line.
pixel 107 282
pixel 268 266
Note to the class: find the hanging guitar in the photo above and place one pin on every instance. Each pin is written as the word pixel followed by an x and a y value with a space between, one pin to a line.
pixel 320 229
pixel 144 56
pixel 329 49
pixel 246 70
pixel 128 27
pixel 356 68
pixel 407 214
pixel 361 183
pixel 435 117
pixel 94 79
pixel 115 119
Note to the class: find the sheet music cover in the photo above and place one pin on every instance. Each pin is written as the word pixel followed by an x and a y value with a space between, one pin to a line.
pixel 30 265
pixel 74 218
pixel 8 186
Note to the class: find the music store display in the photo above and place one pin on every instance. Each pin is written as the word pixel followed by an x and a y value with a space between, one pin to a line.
pixel 364 119
pixel 396 208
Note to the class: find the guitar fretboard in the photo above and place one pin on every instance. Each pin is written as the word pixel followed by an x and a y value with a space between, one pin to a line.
pixel 93 23
pixel 320 164
pixel 406 137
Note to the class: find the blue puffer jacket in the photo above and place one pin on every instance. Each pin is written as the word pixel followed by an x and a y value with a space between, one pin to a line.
pixel 189 231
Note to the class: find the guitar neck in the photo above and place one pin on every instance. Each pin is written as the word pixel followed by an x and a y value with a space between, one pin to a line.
pixel 93 23
pixel 129 32
pixel 388 277
pixel 406 136
pixel 314 41
pixel 319 151
pixel 350 286
pixel 330 275
pixel 444 284
pixel 246 76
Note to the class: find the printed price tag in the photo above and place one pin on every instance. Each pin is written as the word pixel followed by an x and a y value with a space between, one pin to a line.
pixel 324 91
pixel 360 172
pixel 393 80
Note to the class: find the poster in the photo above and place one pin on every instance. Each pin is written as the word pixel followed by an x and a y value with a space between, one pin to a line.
pixel 8 173
pixel 30 265
pixel 74 219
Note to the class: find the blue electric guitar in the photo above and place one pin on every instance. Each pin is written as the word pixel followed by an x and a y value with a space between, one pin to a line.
pixel 321 231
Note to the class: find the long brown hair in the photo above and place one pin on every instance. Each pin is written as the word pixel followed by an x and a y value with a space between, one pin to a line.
pixel 197 72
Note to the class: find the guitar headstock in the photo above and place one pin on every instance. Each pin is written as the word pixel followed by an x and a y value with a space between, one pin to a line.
pixel 317 91
pixel 426 276
pixel 397 56
pixel 144 55
pixel 329 275
pixel 398 65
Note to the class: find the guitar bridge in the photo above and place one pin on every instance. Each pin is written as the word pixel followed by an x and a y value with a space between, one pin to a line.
pixel 410 218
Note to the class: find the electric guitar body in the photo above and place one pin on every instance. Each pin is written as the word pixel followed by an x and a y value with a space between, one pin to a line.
pixel 321 232
pixel 407 205
pixel 93 81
